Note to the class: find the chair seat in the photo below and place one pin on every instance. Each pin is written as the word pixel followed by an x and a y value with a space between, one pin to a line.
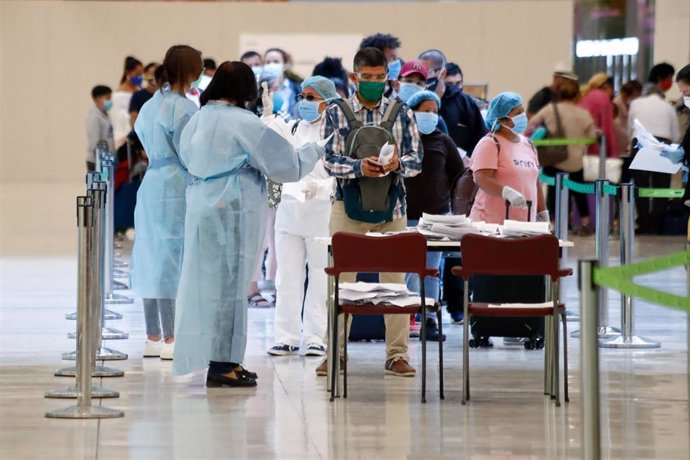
pixel 373 309
pixel 483 309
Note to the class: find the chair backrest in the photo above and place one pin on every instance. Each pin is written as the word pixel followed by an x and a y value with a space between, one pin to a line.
pixel 354 253
pixel 488 255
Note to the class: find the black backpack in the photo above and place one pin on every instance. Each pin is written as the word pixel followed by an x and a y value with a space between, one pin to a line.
pixel 465 189
pixel 370 199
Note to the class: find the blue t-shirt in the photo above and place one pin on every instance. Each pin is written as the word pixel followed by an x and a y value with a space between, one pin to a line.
pixel 138 100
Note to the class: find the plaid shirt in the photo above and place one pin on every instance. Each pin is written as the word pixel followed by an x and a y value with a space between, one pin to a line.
pixel 340 165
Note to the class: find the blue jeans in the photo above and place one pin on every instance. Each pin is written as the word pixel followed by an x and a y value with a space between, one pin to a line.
pixel 431 283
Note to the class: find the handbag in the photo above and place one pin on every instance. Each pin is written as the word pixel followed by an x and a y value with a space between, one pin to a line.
pixel 554 154
pixel 590 169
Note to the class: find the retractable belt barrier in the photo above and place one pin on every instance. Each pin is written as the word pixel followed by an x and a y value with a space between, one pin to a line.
pixel 614 190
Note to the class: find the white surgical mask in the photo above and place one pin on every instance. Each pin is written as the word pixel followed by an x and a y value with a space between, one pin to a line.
pixel 686 101
pixel 274 68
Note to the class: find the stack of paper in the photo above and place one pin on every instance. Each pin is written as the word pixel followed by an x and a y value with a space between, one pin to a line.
pixel 515 228
pixel 379 293
pixel 522 305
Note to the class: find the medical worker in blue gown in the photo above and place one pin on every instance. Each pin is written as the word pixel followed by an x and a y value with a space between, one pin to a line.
pixel 228 150
pixel 160 211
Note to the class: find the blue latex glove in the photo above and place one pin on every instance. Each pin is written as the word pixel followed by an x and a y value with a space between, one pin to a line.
pixel 676 156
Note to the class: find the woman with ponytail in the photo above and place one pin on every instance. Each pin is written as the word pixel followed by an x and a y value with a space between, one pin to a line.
pixel 160 212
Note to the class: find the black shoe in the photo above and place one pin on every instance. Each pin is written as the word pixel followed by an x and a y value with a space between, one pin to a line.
pixel 219 380
pixel 432 331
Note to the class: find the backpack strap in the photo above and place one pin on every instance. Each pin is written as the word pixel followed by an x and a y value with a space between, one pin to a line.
pixel 294 127
pixel 391 114
pixel 498 144
pixel 352 121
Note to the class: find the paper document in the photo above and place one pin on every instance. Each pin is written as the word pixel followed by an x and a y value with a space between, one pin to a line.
pixel 294 189
pixel 386 154
pixel 361 286
pixel 515 228
pixel 649 158
pixel 443 219
pixel 522 305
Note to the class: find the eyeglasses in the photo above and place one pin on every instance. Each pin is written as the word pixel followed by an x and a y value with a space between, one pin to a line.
pixel 308 97
pixel 369 77
pixel 421 84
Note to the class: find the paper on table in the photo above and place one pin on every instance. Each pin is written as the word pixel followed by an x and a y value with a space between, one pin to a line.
pixel 454 231
pixel 650 159
pixel 512 227
pixel 361 286
pixel 294 189
pixel 522 305
pixel 442 219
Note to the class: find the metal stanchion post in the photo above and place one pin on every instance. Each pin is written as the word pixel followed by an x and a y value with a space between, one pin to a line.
pixel 591 442
pixel 83 389
pixel 627 338
pixel 561 220
pixel 108 162
pixel 97 191
pixel 602 254
pixel 602 157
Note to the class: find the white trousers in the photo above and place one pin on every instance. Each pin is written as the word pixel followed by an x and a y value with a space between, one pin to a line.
pixel 294 252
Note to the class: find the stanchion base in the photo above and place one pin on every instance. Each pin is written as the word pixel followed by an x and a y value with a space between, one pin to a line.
pixel 71 393
pixel 604 333
pixel 108 315
pixel 104 354
pixel 99 371
pixel 85 412
pixel 571 316
pixel 106 334
pixel 630 342
pixel 118 286
pixel 117 299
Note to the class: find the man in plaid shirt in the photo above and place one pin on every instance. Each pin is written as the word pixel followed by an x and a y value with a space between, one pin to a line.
pixel 369 105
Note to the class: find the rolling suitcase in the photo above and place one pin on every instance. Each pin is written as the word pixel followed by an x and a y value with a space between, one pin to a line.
pixel 508 289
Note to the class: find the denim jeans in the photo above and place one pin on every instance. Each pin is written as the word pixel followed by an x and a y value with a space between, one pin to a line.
pixel 160 313
pixel 431 283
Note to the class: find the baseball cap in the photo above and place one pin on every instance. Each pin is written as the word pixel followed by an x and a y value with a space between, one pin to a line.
pixel 412 67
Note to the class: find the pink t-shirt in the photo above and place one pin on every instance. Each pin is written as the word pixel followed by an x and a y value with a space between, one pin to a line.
pixel 516 166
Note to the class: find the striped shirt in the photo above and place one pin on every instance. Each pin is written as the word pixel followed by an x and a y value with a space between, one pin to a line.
pixel 341 166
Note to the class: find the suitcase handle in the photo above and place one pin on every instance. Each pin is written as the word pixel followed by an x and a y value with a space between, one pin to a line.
pixel 529 210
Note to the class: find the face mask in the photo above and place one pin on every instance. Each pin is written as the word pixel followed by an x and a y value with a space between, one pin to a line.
pixel 195 83
pixel 686 101
pixel 394 70
pixel 432 84
pixel 371 91
pixel 309 110
pixel 407 90
pixel 107 105
pixel 274 69
pixel 426 122
pixel 136 80
pixel 257 69
pixel 666 85
pixel 520 122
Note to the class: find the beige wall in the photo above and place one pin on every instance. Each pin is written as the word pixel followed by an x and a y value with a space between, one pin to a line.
pixel 672 35
pixel 54 52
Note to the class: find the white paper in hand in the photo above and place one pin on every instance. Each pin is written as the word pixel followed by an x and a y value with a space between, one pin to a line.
pixel 386 154
pixel 323 142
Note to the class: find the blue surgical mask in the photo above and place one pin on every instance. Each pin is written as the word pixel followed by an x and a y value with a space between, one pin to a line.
pixel 432 83
pixel 394 70
pixel 309 110
pixel 520 122
pixel 107 105
pixel 274 68
pixel 136 80
pixel 407 90
pixel 426 121
pixel 257 69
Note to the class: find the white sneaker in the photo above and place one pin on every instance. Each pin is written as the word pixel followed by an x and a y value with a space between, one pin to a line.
pixel 167 351
pixel 152 349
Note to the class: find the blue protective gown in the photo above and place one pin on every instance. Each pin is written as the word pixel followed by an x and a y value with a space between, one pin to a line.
pixel 160 211
pixel 228 150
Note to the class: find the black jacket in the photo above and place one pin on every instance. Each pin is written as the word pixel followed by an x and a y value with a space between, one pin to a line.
pixel 685 143
pixel 461 114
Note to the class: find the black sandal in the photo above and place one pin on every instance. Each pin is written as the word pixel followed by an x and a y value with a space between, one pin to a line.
pixel 220 380
pixel 246 373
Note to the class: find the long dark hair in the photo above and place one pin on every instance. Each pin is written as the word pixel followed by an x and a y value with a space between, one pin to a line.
pixel 131 63
pixel 182 64
pixel 232 81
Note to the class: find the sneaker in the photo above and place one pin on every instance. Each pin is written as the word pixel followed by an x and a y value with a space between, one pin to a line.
pixel 167 351
pixel 432 331
pixel 414 327
pixel 283 350
pixel 457 317
pixel 314 349
pixel 399 367
pixel 152 349
pixel 322 370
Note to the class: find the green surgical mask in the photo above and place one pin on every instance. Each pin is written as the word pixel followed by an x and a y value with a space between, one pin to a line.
pixel 372 91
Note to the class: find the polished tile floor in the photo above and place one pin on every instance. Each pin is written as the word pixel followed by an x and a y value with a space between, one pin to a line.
pixel 644 400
